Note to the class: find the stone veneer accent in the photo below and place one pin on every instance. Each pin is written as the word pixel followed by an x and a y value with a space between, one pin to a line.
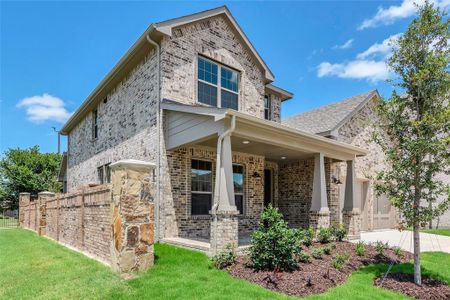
pixel 111 223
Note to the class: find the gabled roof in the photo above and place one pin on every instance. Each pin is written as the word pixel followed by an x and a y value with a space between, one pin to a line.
pixel 328 118
pixel 141 48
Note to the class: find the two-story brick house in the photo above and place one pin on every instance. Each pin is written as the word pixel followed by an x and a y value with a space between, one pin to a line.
pixel 194 97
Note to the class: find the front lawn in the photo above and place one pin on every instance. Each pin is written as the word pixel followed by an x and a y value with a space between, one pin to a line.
pixel 35 267
pixel 445 232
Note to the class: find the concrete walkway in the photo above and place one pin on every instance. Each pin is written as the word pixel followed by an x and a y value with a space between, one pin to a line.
pixel 428 242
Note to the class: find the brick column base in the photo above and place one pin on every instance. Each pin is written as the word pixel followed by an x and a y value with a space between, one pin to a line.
pixel 352 223
pixel 224 231
pixel 319 219
pixel 42 211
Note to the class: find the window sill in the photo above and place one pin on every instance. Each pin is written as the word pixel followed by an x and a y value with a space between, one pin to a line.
pixel 200 217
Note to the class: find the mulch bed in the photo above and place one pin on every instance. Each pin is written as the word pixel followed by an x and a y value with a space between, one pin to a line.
pixel 317 276
pixel 404 283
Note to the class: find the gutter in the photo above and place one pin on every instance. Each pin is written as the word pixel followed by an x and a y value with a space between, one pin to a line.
pixel 158 126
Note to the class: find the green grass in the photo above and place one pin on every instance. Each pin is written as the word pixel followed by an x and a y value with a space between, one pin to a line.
pixel 445 232
pixel 35 267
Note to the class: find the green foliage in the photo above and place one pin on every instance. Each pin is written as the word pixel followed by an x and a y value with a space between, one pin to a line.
pixel 360 248
pixel 225 258
pixel 380 247
pixel 304 257
pixel 324 235
pixel 327 250
pixel 317 253
pixel 338 232
pixel 398 251
pixel 274 246
pixel 414 131
pixel 27 170
pixel 333 246
pixel 339 260
pixel 306 236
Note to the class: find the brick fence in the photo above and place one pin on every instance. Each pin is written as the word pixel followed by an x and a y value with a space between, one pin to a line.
pixel 111 223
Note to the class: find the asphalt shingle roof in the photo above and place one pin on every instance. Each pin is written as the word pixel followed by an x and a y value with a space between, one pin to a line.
pixel 327 117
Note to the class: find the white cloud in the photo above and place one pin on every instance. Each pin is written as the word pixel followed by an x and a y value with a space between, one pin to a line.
pixel 384 49
pixel 407 8
pixel 346 45
pixel 44 107
pixel 357 69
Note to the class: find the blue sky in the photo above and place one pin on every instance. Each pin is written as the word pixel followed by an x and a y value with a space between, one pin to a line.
pixel 53 54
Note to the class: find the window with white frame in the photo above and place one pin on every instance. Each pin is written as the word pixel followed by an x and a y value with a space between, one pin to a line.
pixel 267 107
pixel 238 182
pixel 217 84
pixel 201 187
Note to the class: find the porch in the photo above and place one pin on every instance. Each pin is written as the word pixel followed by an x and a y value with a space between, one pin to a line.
pixel 225 167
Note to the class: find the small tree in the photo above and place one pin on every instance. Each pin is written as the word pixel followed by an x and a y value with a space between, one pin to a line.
pixel 27 170
pixel 417 123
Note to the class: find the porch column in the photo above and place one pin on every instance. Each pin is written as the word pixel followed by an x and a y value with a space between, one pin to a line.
pixel 351 212
pixel 224 224
pixel 319 216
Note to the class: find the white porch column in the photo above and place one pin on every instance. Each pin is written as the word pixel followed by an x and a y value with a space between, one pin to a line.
pixel 319 212
pixel 224 188
pixel 224 223
pixel 351 212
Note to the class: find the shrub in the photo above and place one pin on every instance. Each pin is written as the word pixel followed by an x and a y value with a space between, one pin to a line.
pixel 317 253
pixel 225 258
pixel 304 257
pixel 379 247
pixel 398 251
pixel 306 236
pixel 338 232
pixel 324 235
pixel 333 246
pixel 273 245
pixel 360 248
pixel 339 260
pixel 327 250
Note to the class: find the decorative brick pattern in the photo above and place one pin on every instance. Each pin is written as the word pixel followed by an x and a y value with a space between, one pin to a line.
pixel 319 219
pixel 352 223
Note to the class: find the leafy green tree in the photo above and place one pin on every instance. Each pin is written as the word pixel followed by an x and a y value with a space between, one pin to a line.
pixel 27 170
pixel 417 124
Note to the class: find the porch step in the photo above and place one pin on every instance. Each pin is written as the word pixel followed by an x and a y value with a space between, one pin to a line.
pixel 187 243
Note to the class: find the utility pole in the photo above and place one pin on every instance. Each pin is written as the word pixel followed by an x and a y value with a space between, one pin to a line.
pixel 59 139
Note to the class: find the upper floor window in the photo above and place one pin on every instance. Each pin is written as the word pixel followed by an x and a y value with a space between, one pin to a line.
pixel 267 107
pixel 95 124
pixel 217 85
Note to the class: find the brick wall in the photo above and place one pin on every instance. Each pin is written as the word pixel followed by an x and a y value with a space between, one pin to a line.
pixel 127 127
pixel 186 225
pixel 212 38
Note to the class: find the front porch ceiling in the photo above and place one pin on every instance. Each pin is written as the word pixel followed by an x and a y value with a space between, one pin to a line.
pixel 194 125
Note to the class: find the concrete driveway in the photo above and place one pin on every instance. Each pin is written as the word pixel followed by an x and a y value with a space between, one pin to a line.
pixel 428 242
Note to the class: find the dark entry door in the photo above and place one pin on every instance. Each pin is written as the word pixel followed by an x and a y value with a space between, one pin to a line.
pixel 268 184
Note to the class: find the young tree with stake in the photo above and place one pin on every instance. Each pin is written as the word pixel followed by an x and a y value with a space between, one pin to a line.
pixel 417 124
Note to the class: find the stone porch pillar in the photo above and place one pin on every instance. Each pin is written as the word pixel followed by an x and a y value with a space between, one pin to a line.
pixel 351 212
pixel 133 190
pixel 42 211
pixel 24 202
pixel 224 223
pixel 319 212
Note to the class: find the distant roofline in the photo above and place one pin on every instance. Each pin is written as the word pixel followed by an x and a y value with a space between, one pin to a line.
pixel 285 95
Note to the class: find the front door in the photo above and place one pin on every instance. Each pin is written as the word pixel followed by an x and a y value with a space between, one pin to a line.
pixel 268 187
pixel 382 212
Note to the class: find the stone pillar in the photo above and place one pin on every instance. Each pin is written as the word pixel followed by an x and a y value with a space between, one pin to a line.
pixel 224 223
pixel 41 209
pixel 133 191
pixel 24 202
pixel 319 212
pixel 351 213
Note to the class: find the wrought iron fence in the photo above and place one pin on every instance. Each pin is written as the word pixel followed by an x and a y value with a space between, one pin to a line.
pixel 9 219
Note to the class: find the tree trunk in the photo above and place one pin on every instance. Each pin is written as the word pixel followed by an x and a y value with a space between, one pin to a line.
pixel 417 273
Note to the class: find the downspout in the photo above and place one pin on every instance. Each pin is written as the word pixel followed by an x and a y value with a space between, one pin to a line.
pixel 158 125
pixel 215 207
